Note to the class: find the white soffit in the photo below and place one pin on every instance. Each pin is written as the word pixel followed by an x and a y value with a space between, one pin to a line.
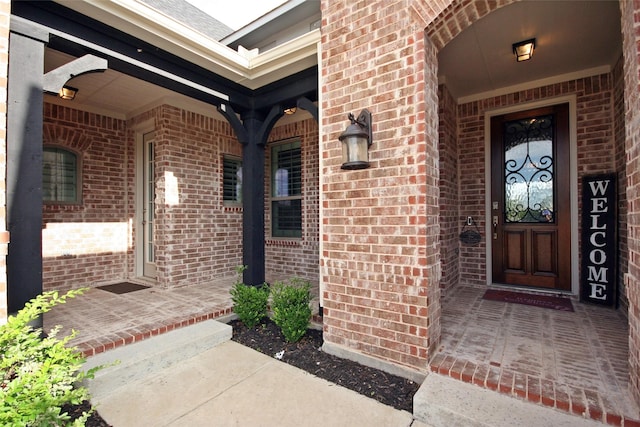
pixel 146 23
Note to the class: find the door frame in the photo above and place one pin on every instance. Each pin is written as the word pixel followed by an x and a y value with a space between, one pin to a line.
pixel 573 177
pixel 140 130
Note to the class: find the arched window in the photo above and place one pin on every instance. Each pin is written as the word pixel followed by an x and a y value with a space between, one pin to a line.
pixel 60 176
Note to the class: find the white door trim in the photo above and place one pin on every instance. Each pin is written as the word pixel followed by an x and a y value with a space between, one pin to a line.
pixel 141 130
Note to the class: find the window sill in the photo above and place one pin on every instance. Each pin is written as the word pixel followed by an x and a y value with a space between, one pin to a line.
pixel 284 242
pixel 65 207
pixel 232 208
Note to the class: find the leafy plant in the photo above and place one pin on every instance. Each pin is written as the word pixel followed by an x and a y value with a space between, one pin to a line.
pixel 290 306
pixel 249 302
pixel 39 375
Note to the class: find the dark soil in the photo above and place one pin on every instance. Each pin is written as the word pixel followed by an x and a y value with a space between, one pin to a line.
pixel 306 354
pixel 95 420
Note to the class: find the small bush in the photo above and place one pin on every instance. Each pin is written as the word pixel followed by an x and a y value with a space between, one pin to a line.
pixel 39 375
pixel 249 302
pixel 290 306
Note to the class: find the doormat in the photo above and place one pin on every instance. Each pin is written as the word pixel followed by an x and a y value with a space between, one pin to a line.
pixel 545 301
pixel 122 288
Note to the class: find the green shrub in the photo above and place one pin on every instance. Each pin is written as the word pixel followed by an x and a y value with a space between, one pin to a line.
pixel 290 306
pixel 249 302
pixel 39 375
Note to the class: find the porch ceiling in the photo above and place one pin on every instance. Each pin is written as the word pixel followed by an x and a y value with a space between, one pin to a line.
pixel 149 66
pixel 573 39
pixel 115 94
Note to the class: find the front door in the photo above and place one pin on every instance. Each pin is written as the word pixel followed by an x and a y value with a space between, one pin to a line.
pixel 530 198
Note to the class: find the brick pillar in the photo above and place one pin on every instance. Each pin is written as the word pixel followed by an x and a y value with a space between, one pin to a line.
pixel 5 11
pixel 380 259
pixel 630 12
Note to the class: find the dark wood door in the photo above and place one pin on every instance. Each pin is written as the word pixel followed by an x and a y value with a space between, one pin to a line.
pixel 530 203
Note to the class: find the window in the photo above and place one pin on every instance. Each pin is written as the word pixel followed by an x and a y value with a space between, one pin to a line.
pixel 232 179
pixel 60 180
pixel 286 190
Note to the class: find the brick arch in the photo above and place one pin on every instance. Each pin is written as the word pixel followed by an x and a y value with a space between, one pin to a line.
pixel 67 137
pixel 457 17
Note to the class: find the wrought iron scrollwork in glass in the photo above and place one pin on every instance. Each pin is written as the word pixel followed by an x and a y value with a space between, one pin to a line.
pixel 529 170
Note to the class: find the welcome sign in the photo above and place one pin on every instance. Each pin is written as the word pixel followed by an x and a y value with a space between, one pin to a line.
pixel 599 217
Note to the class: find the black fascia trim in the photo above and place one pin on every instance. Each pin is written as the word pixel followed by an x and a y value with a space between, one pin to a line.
pixel 145 74
pixel 65 20
pixel 287 90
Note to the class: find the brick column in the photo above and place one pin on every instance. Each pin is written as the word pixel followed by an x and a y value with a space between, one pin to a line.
pixel 630 12
pixel 380 260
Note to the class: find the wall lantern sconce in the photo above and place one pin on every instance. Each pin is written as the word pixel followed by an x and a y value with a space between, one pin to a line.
pixel 68 93
pixel 356 140
pixel 524 49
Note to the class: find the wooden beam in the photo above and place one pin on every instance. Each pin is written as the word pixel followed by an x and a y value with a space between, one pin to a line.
pixel 54 80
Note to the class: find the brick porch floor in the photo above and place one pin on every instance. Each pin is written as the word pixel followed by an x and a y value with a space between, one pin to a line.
pixel 576 362
pixel 573 361
pixel 104 320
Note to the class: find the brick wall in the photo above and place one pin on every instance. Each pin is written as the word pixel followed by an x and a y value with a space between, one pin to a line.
pixel 621 169
pixel 472 189
pixel 380 261
pixel 5 10
pixel 631 52
pixel 198 238
pixel 88 242
pixel 450 218
pixel 287 258
pixel 596 149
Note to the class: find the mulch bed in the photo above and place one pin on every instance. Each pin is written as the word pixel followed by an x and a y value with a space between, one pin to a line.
pixel 306 354
pixel 75 411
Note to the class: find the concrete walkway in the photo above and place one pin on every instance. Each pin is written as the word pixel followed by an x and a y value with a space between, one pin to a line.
pixel 232 385
pixel 195 376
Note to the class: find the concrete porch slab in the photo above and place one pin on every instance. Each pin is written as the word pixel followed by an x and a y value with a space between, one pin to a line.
pixel 446 402
pixel 139 360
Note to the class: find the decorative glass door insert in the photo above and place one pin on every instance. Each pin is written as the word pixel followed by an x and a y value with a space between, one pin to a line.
pixel 529 170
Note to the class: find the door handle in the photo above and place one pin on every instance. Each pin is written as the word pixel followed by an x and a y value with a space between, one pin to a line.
pixel 495 227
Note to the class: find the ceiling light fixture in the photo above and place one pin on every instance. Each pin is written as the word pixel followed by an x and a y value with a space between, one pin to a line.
pixel 524 49
pixel 290 111
pixel 68 93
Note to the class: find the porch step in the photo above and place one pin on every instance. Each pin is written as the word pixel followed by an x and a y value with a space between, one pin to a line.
pixel 138 360
pixel 443 401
